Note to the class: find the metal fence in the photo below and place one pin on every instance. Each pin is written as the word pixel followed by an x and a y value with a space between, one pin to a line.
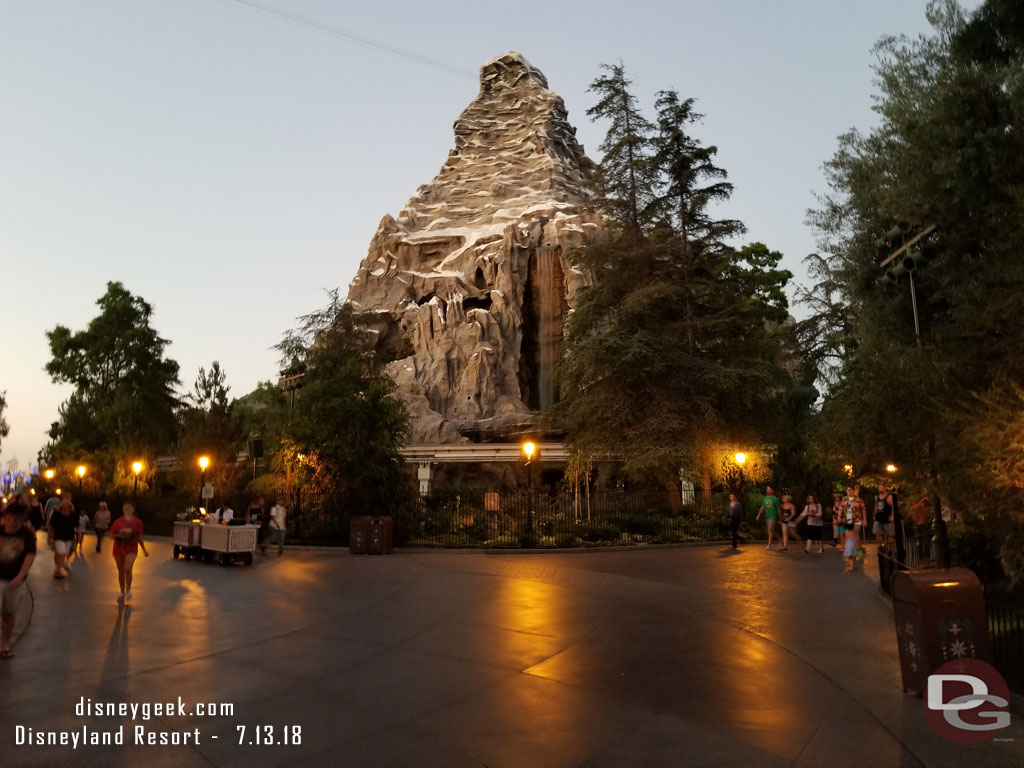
pixel 524 519
pixel 1006 630
pixel 511 519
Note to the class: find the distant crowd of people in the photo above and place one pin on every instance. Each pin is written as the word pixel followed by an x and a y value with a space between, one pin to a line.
pixel 846 516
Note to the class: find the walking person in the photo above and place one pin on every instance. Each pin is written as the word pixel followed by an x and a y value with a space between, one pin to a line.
pixel 853 516
pixel 770 510
pixel 83 523
pixel 61 535
pixel 126 533
pixel 277 525
pixel 17 553
pixel 884 526
pixel 838 529
pixel 814 515
pixel 101 522
pixel 36 518
pixel 735 517
pixel 788 519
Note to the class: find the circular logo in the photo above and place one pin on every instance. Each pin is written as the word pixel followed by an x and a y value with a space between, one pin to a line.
pixel 967 701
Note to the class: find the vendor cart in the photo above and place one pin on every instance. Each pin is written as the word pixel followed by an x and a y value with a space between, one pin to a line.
pixel 187 538
pixel 229 542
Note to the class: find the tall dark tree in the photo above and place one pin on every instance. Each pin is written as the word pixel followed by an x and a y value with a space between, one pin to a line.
pixel 626 176
pixel 947 153
pixel 206 428
pixel 124 399
pixel 692 181
pixel 347 425
pixel 676 344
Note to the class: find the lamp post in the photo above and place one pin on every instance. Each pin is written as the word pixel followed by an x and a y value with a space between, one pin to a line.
pixel 204 462
pixel 48 474
pixel 741 459
pixel 81 475
pixel 136 468
pixel 528 450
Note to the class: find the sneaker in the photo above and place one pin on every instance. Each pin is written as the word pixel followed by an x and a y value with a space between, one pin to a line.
pixel 783 549
pixel 767 546
pixel 128 596
pixel 120 598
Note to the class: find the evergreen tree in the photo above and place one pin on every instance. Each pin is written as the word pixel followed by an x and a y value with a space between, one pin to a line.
pixel 690 175
pixel 676 344
pixel 626 176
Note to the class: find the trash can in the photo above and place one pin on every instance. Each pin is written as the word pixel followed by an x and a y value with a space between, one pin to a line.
pixel 381 535
pixel 359 534
pixel 940 617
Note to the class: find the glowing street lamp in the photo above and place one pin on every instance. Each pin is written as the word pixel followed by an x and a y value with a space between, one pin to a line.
pixel 848 469
pixel 528 451
pixel 48 474
pixel 204 462
pixel 741 459
pixel 890 468
pixel 81 475
pixel 136 468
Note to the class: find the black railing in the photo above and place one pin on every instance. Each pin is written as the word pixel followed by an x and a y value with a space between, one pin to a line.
pixel 524 519
pixel 1006 630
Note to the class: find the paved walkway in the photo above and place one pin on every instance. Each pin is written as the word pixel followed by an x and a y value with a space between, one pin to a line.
pixel 671 657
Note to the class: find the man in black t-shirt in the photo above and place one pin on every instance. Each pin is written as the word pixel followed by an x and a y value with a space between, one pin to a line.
pixel 62 536
pixel 17 553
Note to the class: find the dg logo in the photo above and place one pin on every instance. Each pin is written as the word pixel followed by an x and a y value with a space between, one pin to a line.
pixel 968 701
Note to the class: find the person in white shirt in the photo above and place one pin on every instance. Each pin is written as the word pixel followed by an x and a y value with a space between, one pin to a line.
pixel 276 527
pixel 223 515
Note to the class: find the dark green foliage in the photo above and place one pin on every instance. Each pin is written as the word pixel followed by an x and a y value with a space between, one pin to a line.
pixel 346 425
pixel 949 152
pixel 206 428
pixel 123 403
pixel 676 345
pixel 627 176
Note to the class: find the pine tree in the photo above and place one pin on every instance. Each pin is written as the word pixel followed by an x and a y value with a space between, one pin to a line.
pixel 690 174
pixel 626 177
pixel 672 347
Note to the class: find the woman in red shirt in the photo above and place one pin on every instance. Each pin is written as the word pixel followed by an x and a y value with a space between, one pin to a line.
pixel 126 533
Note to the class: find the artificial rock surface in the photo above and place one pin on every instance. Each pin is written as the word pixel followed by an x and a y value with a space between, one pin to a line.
pixel 468 289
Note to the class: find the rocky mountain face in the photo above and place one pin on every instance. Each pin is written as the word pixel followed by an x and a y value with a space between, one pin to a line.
pixel 468 289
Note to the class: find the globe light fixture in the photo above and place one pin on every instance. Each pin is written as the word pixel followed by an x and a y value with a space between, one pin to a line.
pixel 136 468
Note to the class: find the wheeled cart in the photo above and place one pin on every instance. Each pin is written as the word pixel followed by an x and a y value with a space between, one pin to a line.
pixel 225 543
pixel 187 538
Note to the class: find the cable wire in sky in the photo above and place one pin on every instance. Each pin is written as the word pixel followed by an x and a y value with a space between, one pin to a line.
pixel 340 32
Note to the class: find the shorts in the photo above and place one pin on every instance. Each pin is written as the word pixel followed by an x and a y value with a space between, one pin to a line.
pixel 840 528
pixel 10 599
pixel 889 529
pixel 63 546
pixel 814 533
pixel 770 522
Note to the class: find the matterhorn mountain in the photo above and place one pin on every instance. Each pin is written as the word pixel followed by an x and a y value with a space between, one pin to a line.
pixel 469 288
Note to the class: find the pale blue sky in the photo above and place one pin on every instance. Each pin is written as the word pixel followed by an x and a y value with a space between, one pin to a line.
pixel 228 165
